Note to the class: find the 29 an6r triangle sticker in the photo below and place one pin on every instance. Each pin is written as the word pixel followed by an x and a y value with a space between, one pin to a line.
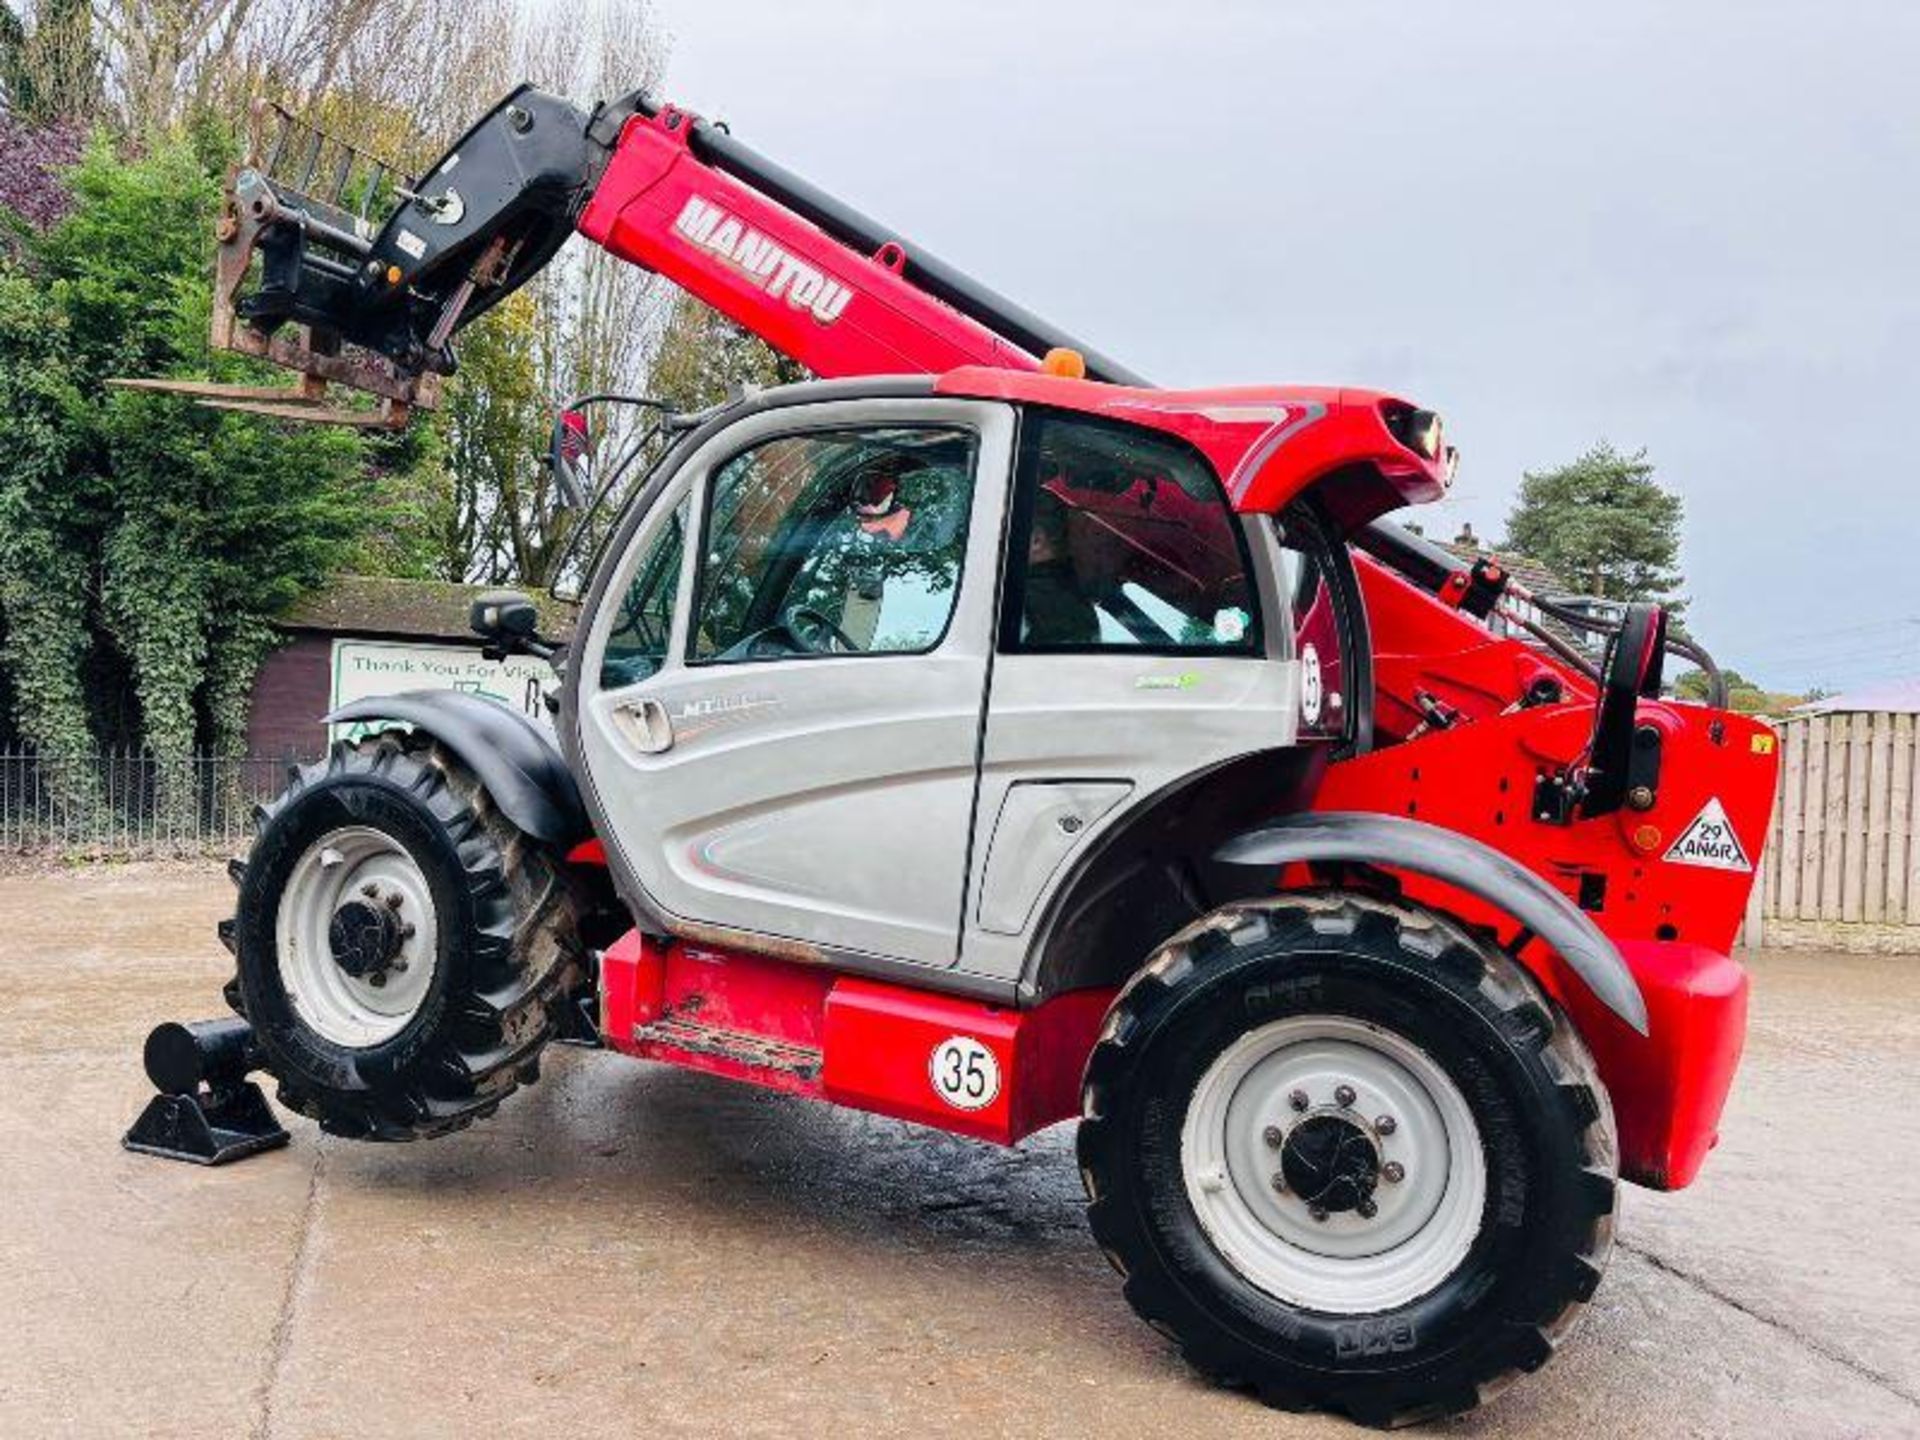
pixel 1709 841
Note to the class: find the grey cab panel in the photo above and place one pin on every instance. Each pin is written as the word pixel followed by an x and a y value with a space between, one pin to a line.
pixel 1038 826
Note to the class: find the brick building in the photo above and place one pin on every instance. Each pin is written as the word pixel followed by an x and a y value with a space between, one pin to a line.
pixel 362 635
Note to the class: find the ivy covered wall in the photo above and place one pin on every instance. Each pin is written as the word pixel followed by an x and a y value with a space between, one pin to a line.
pixel 145 542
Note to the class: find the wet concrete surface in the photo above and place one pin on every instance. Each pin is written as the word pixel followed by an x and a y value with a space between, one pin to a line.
pixel 628 1249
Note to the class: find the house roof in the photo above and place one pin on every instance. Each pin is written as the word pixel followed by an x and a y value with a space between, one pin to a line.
pixel 1898 697
pixel 1530 573
pixel 427 609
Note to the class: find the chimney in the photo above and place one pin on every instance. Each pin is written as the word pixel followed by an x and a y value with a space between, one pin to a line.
pixel 1466 538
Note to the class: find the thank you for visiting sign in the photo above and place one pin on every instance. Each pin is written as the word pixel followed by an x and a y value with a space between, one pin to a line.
pixel 367 669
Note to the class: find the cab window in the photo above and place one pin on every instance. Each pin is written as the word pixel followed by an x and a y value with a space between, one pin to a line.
pixel 834 543
pixel 637 645
pixel 1123 540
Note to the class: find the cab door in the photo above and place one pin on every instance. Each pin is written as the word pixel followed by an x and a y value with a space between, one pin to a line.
pixel 784 742
pixel 1141 642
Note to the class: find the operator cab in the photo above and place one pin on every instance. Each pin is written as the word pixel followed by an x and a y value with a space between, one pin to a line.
pixel 991 633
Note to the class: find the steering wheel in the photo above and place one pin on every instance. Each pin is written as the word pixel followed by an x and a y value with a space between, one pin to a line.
pixel 1633 672
pixel 815 633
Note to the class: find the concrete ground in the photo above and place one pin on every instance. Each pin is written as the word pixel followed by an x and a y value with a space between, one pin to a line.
pixel 632 1250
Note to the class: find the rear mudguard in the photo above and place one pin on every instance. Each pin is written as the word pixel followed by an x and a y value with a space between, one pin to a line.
pixel 1465 864
pixel 515 760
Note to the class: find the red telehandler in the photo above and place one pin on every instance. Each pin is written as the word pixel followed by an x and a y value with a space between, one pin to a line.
pixel 984 737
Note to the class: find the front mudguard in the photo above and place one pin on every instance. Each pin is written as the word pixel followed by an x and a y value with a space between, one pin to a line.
pixel 517 762
pixel 1359 837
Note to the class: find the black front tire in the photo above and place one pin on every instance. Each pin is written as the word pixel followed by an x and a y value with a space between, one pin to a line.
pixel 1543 1118
pixel 507 952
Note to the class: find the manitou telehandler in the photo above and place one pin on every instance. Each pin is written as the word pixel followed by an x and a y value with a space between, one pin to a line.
pixel 983 737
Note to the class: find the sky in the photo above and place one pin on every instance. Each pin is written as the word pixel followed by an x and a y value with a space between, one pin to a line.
pixel 1690 226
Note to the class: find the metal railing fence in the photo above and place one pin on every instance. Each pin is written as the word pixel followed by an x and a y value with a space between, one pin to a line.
pixel 131 802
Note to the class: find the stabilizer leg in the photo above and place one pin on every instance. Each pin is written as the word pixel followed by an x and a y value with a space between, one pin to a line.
pixel 207 1111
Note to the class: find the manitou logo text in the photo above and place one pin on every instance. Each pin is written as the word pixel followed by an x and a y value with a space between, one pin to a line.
pixel 782 275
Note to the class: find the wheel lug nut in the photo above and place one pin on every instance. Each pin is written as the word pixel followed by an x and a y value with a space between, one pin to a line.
pixel 406 932
pixel 1279 1183
pixel 1318 1212
pixel 1393 1172
pixel 1343 1095
pixel 1386 1124
pixel 378 979
pixel 1272 1136
pixel 393 901
pixel 1298 1100
pixel 370 890
pixel 1367 1209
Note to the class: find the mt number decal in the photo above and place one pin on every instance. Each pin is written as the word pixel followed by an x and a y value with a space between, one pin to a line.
pixel 965 1073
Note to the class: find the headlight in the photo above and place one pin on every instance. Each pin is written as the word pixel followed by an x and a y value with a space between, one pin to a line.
pixel 1423 434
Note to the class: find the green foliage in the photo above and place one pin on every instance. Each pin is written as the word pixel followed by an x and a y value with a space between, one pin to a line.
pixel 43 594
pixel 703 356
pixel 1603 524
pixel 1743 694
pixel 48 70
pixel 140 533
pixel 503 524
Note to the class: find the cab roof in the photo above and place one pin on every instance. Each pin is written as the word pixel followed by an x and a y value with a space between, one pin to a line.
pixel 1270 444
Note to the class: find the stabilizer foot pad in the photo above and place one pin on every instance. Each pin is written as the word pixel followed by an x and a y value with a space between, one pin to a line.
pixel 209 1127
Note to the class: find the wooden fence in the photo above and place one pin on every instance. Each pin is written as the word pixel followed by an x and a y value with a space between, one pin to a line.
pixel 1842 866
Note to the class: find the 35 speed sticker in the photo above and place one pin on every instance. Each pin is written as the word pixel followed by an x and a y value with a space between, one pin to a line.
pixel 964 1072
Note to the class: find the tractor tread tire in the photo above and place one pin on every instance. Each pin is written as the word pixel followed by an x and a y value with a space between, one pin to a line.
pixel 1413 941
pixel 523 955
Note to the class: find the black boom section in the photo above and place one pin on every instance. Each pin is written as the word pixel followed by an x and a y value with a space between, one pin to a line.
pixel 1459 861
pixel 515 760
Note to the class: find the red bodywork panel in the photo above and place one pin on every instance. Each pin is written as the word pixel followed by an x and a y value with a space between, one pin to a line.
pixel 864 1043
pixel 781 277
pixel 1672 923
pixel 848 1040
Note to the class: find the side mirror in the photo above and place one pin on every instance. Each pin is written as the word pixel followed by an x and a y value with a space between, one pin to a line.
pixel 508 621
pixel 503 615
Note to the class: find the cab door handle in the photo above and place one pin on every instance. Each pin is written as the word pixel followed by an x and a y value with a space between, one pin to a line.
pixel 646 724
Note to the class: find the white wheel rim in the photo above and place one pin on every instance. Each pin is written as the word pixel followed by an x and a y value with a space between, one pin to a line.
pixel 356 864
pixel 1348 1263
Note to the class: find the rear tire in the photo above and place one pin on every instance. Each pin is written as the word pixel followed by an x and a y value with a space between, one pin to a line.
pixel 1280 1235
pixel 403 951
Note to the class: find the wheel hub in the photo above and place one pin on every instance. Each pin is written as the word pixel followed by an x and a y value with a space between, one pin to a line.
pixel 1331 1163
pixel 358 936
pixel 364 939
